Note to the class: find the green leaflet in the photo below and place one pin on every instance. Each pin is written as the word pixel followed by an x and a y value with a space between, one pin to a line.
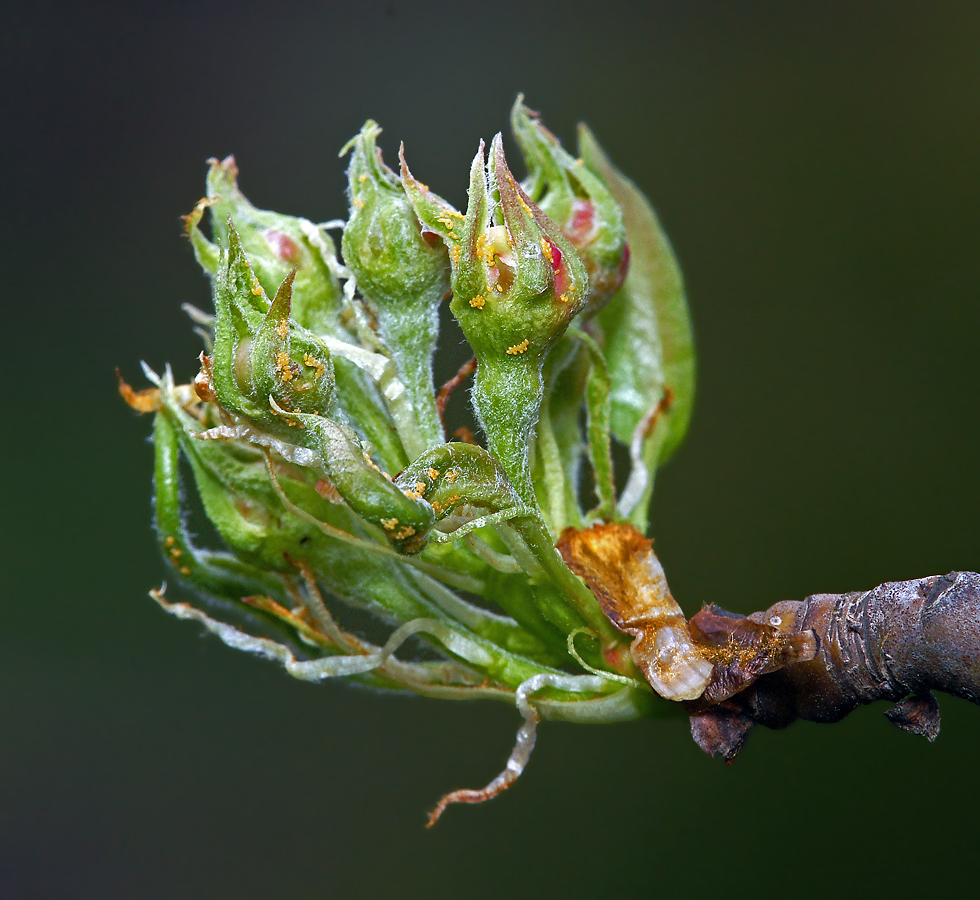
pixel 598 406
pixel 559 442
pixel 648 341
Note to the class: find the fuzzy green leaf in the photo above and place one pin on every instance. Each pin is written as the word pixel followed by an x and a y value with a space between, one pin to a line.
pixel 649 345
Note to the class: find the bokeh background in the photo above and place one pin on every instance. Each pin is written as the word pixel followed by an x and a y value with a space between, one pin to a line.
pixel 816 167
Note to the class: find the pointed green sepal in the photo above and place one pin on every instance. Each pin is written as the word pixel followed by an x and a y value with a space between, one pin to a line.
pixel 438 217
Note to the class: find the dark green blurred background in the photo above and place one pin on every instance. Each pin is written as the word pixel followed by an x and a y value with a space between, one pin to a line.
pixel 816 167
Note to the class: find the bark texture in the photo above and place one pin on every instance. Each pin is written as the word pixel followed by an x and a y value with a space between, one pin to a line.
pixel 898 641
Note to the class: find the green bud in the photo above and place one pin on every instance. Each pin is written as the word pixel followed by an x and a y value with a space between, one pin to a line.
pixel 402 275
pixel 275 245
pixel 458 474
pixel 517 283
pixel 577 199
pixel 265 366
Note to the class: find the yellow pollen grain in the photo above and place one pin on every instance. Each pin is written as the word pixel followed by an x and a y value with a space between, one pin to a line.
pixel 580 161
pixel 256 287
pixel 433 474
pixel 185 571
pixel 457 214
pixel 477 302
pixel 454 252
pixel 420 488
pixel 283 369
pixel 358 202
pixel 283 409
pixel 486 250
pixel 282 329
pixel 170 540
pixel 315 363
pixel 452 475
pixel 563 298
pixel 389 524
pixel 546 249
pixel 518 349
pixel 362 178
pixel 437 506
pixel 404 533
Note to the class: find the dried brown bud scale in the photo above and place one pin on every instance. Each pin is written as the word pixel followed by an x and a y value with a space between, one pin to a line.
pixel 620 567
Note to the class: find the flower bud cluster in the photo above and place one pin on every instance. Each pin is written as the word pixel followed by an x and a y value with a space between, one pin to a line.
pixel 315 438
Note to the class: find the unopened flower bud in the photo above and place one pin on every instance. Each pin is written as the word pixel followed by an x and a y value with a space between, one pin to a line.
pixel 577 200
pixel 402 276
pixel 275 245
pixel 265 365
pixel 517 283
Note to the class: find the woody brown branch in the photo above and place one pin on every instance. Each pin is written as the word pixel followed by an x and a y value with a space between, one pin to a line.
pixel 898 642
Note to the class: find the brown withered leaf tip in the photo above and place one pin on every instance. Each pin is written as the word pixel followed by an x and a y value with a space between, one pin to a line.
pixel 144 401
pixel 918 714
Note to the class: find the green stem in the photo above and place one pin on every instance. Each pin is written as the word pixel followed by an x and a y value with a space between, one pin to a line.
pixel 507 400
